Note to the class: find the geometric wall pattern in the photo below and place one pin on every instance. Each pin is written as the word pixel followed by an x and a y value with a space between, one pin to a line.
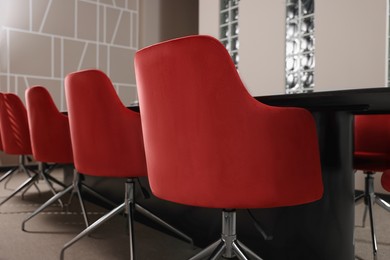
pixel 41 41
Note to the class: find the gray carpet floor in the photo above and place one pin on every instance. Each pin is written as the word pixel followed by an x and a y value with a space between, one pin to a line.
pixel 50 230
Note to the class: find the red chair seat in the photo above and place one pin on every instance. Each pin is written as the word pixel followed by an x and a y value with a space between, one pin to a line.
pixel 385 180
pixel 370 161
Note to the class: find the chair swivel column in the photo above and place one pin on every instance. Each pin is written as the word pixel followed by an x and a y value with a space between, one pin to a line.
pixel 129 209
pixel 228 246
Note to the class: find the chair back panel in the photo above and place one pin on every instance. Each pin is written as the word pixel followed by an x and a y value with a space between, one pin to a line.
pixel 372 134
pixel 106 136
pixel 49 128
pixel 385 180
pixel 15 134
pixel 209 142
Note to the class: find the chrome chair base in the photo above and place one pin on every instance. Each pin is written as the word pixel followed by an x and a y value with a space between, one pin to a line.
pixel 370 198
pixel 228 246
pixel 128 206
pixel 32 178
pixel 75 187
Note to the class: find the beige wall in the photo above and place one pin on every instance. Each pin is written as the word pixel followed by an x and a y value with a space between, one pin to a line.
pixel 262 46
pixel 208 17
pixel 351 44
pixel 167 19
pixel 261 37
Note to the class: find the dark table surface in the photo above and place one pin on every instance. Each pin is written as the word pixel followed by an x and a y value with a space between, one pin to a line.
pixel 362 101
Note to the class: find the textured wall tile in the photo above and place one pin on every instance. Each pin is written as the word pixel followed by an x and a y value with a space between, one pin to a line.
pixel 102 23
pixel 53 45
pixel 3 51
pixel 112 16
pixel 38 12
pixel 134 31
pixel 9 19
pixel 120 3
pixel 127 94
pixel 103 57
pixel 29 54
pixel 86 21
pixel 123 33
pixel 3 83
pixel 121 65
pixel 57 59
pixel 72 54
pixel 60 18
pixel 11 86
pixel 107 2
pixel 89 57
pixel 132 4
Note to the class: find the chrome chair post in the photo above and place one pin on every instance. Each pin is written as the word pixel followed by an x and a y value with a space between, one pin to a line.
pixel 129 208
pixel 228 246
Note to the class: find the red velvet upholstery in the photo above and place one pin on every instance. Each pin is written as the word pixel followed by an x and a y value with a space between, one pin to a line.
pixel 106 136
pixel 385 180
pixel 107 141
pixel 209 143
pixel 1 142
pixel 14 125
pixel 372 142
pixel 49 129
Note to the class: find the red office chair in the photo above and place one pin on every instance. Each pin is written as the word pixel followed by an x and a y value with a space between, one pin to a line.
pixel 107 142
pixel 385 180
pixel 372 154
pixel 50 140
pixel 208 143
pixel 15 138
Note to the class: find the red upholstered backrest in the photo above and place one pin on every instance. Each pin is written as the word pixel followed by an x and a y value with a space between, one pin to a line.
pixel 49 129
pixel 14 125
pixel 372 134
pixel 1 108
pixel 106 136
pixel 209 143
pixel 1 102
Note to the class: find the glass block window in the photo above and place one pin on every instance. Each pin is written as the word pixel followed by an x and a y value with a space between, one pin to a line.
pixel 299 46
pixel 228 30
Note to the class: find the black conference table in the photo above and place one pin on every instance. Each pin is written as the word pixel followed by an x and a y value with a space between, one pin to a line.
pixel 329 223
pixel 323 230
